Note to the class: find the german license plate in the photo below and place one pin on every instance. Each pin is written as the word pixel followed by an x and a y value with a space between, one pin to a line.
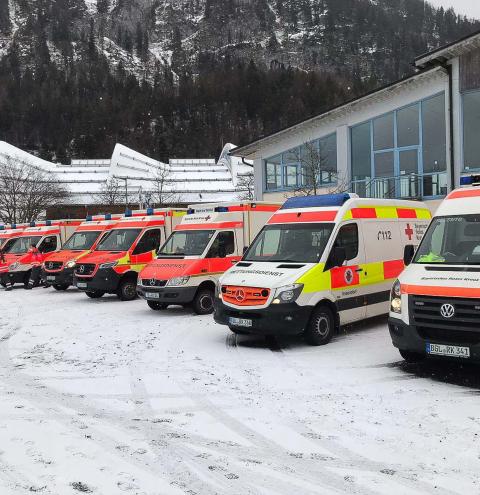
pixel 240 322
pixel 51 278
pixel 82 285
pixel 152 295
pixel 448 350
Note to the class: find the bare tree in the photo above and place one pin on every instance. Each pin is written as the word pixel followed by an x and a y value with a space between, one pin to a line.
pixel 163 192
pixel 315 173
pixel 111 193
pixel 246 187
pixel 27 191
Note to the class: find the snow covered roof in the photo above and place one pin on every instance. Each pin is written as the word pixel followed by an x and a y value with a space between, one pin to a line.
pixel 191 180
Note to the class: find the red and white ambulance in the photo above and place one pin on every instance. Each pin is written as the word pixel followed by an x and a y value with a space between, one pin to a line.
pixel 46 236
pixel 113 266
pixel 210 239
pixel 435 303
pixel 10 232
pixel 58 267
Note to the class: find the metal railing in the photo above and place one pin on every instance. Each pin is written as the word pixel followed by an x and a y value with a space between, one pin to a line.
pixel 411 186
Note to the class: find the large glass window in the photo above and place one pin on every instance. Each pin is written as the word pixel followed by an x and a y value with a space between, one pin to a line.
pixel 313 162
pixel 471 130
pixel 402 154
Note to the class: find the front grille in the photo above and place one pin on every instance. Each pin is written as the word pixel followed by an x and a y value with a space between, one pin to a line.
pixel 462 328
pixel 151 282
pixel 85 269
pixel 53 265
pixel 245 296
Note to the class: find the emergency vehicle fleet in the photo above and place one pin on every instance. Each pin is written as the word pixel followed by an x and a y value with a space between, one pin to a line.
pixel 46 236
pixel 210 239
pixel 58 267
pixel 321 262
pixel 435 303
pixel 113 266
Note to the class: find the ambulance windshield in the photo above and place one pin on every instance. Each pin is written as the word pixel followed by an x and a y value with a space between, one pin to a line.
pixel 21 245
pixel 451 240
pixel 118 240
pixel 186 243
pixel 296 243
pixel 81 241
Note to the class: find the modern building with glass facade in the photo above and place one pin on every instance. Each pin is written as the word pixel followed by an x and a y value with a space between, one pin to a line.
pixel 413 139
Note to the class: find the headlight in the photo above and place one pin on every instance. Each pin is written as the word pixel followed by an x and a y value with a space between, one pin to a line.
pixel 178 281
pixel 104 266
pixel 71 264
pixel 14 266
pixel 287 294
pixel 396 298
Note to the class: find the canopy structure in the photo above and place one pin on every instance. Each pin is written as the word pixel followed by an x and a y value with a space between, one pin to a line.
pixel 190 180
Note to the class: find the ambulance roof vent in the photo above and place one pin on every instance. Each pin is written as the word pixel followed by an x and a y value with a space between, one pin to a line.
pixel 322 201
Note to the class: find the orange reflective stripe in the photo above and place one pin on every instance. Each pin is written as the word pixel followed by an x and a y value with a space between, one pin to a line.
pixel 392 269
pixel 406 213
pixel 461 194
pixel 210 226
pixel 364 213
pixel 428 290
pixel 304 217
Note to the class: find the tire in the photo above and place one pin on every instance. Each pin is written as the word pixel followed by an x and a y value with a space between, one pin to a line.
pixel 95 294
pixel 412 357
pixel 203 302
pixel 60 287
pixel 127 290
pixel 321 327
pixel 156 306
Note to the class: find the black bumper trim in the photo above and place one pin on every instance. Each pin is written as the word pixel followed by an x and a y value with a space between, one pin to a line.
pixel 278 319
pixel 168 295
pixel 106 280
pixel 64 277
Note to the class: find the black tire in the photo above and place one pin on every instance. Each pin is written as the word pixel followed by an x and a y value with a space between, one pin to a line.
pixel 127 290
pixel 203 302
pixel 95 294
pixel 4 285
pixel 61 287
pixel 321 326
pixel 412 357
pixel 156 306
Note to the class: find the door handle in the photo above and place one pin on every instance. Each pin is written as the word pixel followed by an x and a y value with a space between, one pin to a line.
pixel 359 270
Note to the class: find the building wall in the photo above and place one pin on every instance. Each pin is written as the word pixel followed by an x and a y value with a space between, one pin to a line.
pixel 378 104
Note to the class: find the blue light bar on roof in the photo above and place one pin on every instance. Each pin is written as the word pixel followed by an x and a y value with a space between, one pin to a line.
pixel 108 216
pixel 190 211
pixel 221 209
pixel 32 224
pixel 470 180
pixel 48 223
pixel 128 213
pixel 2 227
pixel 150 211
pixel 14 225
pixel 89 218
pixel 323 200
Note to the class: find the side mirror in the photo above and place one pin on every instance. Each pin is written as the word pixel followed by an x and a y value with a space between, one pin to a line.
pixel 408 254
pixel 338 256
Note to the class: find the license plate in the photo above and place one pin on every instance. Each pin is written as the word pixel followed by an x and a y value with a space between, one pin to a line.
pixel 82 285
pixel 152 295
pixel 448 350
pixel 240 322
pixel 51 278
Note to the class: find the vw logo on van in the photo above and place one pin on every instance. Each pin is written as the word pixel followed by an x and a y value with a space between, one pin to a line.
pixel 240 295
pixel 50 265
pixel 447 311
pixel 152 282
pixel 81 268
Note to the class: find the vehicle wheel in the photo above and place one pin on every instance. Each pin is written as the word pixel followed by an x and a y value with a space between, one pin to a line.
pixel 61 287
pixel 3 284
pixel 95 294
pixel 321 327
pixel 203 302
pixel 156 306
pixel 412 357
pixel 127 290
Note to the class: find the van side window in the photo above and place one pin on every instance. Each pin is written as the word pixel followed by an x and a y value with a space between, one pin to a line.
pixel 223 245
pixel 348 238
pixel 48 245
pixel 150 241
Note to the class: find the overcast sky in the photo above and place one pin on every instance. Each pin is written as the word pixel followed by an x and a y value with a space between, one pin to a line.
pixel 470 8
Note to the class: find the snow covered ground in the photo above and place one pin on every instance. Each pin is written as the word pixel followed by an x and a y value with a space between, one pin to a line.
pixel 108 398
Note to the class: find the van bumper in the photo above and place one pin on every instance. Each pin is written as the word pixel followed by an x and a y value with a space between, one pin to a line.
pixel 167 295
pixel 103 281
pixel 407 338
pixel 64 277
pixel 278 319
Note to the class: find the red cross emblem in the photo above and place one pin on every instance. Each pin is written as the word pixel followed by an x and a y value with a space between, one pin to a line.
pixel 409 231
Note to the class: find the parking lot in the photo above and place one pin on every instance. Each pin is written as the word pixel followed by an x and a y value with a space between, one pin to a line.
pixel 104 397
